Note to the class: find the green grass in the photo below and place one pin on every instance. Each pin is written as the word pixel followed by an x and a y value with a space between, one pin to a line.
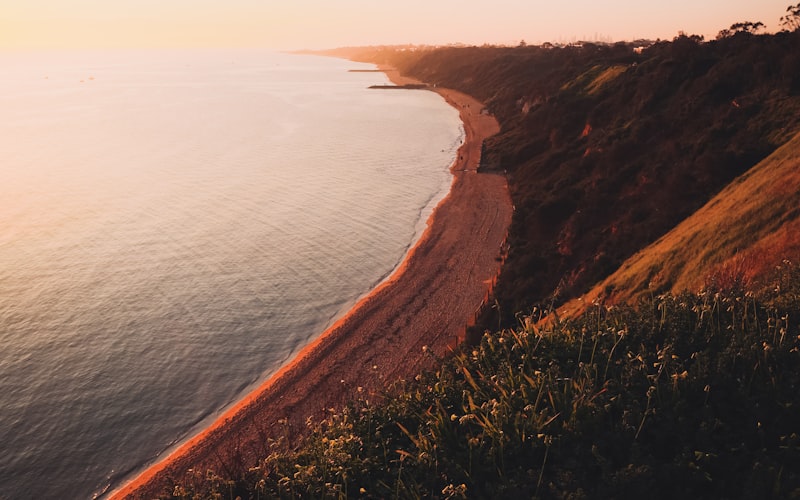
pixel 690 396
pixel 605 77
pixel 746 229
pixel 594 79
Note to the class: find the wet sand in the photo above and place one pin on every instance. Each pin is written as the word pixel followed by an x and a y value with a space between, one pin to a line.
pixel 427 303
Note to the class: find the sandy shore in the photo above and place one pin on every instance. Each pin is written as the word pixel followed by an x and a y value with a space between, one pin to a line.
pixel 428 301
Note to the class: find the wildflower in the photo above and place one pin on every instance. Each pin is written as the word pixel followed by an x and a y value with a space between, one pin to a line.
pixel 451 491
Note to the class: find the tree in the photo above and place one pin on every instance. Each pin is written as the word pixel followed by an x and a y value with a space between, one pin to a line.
pixel 695 39
pixel 791 21
pixel 724 33
pixel 744 27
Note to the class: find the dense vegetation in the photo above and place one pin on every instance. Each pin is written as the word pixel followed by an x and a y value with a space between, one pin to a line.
pixel 607 149
pixel 691 396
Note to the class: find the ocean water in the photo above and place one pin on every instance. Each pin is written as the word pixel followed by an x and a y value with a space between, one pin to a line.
pixel 174 226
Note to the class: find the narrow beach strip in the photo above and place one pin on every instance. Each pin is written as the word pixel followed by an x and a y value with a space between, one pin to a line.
pixel 400 328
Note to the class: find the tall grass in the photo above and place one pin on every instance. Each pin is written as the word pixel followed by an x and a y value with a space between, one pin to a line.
pixel 689 396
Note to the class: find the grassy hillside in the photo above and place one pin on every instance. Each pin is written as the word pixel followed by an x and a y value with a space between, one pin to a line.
pixel 691 396
pixel 606 150
pixel 739 236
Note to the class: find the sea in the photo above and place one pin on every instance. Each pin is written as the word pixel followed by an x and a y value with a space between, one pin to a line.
pixel 174 227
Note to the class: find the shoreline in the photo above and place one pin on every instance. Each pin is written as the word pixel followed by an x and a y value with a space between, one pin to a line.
pixel 423 306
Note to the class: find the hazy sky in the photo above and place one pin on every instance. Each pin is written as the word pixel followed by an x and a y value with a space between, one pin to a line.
pixel 286 24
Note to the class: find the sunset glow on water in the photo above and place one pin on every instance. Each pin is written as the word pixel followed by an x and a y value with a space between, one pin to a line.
pixel 174 226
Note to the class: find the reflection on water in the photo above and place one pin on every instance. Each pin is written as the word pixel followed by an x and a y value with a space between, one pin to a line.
pixel 173 226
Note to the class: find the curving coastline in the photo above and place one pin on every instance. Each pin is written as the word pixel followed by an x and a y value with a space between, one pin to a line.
pixel 427 301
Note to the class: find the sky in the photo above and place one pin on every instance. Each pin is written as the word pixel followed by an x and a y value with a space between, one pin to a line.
pixel 318 24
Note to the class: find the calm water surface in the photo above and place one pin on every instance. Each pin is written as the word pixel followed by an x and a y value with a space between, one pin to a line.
pixel 174 227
